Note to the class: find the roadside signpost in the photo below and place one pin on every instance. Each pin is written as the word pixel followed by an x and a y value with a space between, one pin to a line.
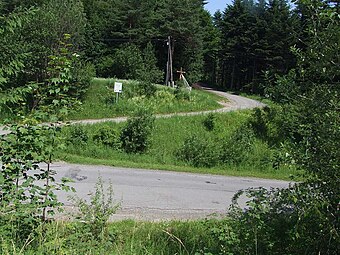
pixel 118 88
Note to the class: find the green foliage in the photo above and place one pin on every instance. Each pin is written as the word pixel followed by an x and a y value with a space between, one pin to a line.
pixel 107 136
pixel 124 237
pixel 146 88
pixel 150 71
pixel 310 118
pixel 302 219
pixel 77 135
pixel 26 178
pixel 127 38
pixel 52 75
pixel 255 39
pixel 127 62
pixel 258 161
pixel 282 221
pixel 100 100
pixel 182 94
pixel 236 148
pixel 282 89
pixel 135 135
pixel 96 213
pixel 198 152
pixel 209 122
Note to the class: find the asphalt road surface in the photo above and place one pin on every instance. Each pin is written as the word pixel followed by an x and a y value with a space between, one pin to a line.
pixel 159 195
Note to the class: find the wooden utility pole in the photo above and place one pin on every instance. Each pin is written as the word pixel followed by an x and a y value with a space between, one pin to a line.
pixel 169 81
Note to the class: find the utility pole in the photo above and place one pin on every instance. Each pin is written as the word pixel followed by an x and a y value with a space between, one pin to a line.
pixel 169 80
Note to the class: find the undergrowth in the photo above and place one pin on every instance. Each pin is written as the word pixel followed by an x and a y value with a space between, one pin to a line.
pixel 229 147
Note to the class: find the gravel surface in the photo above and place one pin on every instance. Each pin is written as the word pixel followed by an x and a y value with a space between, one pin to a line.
pixel 234 103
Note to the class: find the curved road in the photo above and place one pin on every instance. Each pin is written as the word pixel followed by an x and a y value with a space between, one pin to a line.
pixel 234 103
pixel 162 195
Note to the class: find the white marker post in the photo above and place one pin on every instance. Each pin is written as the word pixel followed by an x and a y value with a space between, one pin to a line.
pixel 118 89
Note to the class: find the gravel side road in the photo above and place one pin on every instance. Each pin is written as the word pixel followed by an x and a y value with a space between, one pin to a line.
pixel 162 195
pixel 159 195
pixel 234 103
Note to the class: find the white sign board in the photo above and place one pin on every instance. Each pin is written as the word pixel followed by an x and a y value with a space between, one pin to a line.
pixel 118 87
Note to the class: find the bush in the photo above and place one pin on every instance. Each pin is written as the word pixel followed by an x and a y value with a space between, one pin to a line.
pixel 104 66
pixel 209 122
pixel 77 135
pixel 296 220
pixel 135 135
pixel 235 149
pixel 198 152
pixel 128 62
pixel 96 213
pixel 182 94
pixel 107 136
pixel 147 89
pixel 165 96
pixel 84 73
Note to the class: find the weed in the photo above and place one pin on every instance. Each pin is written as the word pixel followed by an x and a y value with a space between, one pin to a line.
pixel 236 147
pixel 96 213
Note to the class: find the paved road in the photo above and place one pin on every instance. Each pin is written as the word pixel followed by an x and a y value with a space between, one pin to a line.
pixel 160 195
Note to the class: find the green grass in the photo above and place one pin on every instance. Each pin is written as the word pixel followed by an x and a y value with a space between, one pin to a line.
pixel 168 136
pixel 125 238
pixel 99 101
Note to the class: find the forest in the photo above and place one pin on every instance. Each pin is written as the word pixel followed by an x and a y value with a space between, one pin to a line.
pixel 284 51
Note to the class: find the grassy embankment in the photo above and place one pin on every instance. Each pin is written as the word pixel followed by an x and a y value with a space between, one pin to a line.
pixel 100 101
pixel 167 138
pixel 170 134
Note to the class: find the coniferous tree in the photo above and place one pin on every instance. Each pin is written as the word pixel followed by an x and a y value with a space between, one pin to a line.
pixel 256 39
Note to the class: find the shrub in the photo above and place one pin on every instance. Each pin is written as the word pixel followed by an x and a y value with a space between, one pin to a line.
pixel 78 135
pixel 127 62
pixel 235 149
pixel 147 89
pixel 107 136
pixel 165 96
pixel 135 135
pixel 104 66
pixel 209 122
pixel 296 220
pixel 198 152
pixel 182 94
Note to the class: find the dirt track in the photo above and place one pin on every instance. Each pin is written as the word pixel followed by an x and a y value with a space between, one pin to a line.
pixel 234 103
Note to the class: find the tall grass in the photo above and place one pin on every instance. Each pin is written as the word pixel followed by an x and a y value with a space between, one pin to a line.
pixel 167 138
pixel 125 237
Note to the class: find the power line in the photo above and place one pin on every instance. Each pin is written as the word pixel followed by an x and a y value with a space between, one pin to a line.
pixel 130 40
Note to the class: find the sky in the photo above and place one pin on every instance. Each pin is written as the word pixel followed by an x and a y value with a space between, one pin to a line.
pixel 213 5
